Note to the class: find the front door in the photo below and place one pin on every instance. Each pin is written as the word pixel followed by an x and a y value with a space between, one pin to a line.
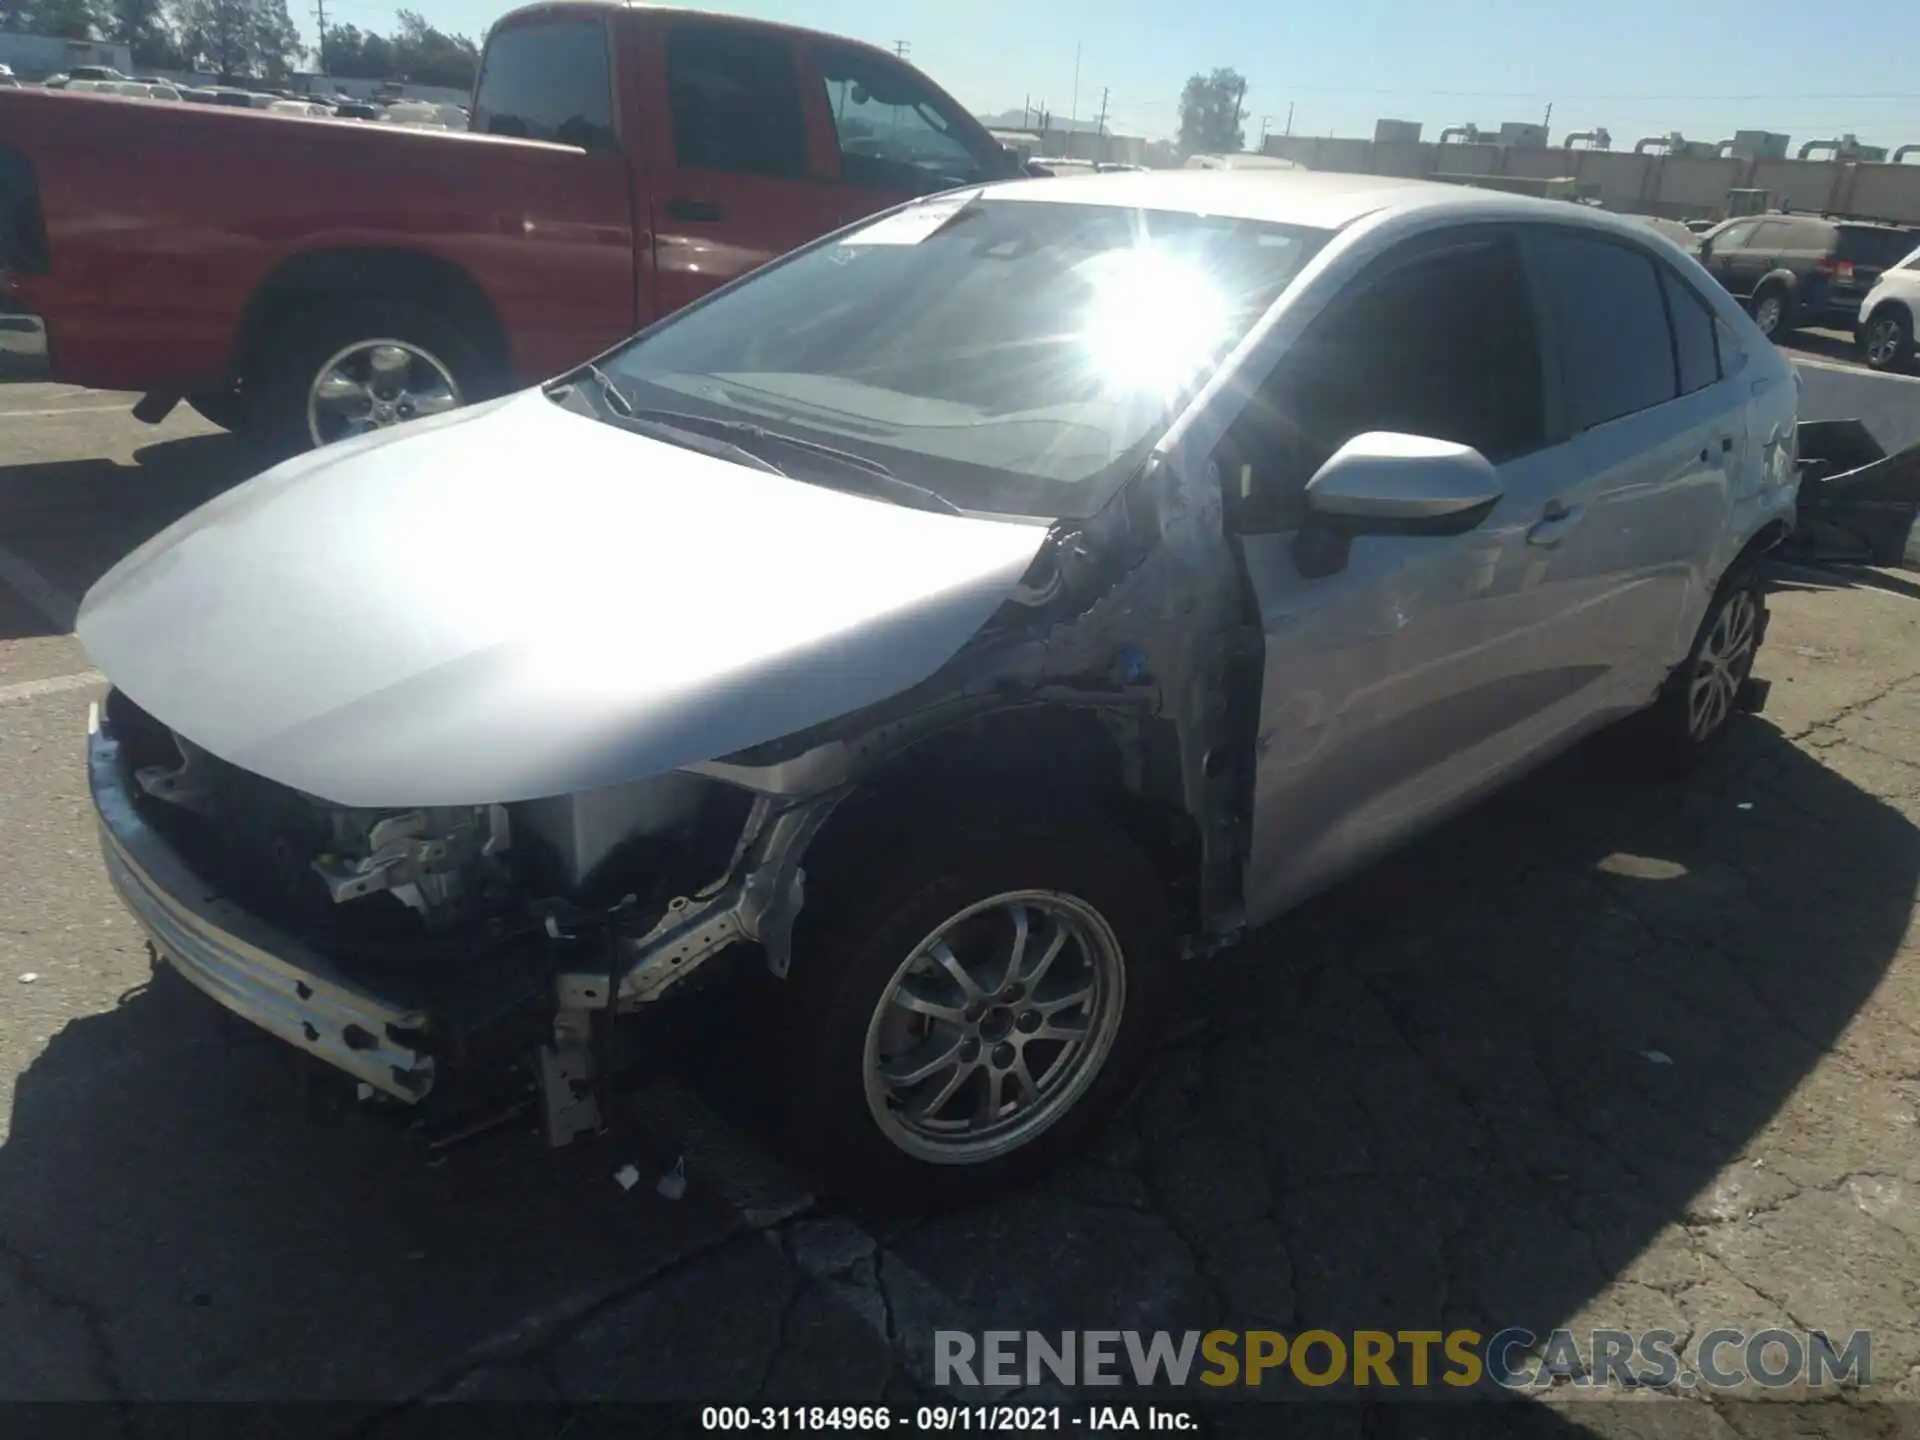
pixel 1728 262
pixel 1425 667
pixel 734 177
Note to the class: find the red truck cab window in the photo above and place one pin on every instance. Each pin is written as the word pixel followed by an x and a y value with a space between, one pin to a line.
pixel 549 80
pixel 891 128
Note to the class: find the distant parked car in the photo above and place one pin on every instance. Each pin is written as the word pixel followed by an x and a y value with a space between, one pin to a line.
pixel 1799 270
pixel 7 77
pixel 1889 316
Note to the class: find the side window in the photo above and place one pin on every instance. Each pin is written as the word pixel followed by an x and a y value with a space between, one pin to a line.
pixel 1733 352
pixel 1610 324
pixel 548 81
pixel 735 102
pixel 1810 235
pixel 892 134
pixel 1693 334
pixel 1735 236
pixel 1440 343
pixel 1772 235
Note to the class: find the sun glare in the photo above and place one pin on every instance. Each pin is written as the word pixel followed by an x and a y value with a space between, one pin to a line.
pixel 1153 319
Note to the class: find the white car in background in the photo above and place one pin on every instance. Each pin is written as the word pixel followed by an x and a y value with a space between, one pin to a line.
pixel 1889 316
pixel 7 78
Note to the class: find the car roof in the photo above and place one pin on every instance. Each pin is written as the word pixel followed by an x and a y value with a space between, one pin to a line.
pixel 1315 199
pixel 524 13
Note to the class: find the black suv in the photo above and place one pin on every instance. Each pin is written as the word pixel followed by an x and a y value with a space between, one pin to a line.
pixel 1795 270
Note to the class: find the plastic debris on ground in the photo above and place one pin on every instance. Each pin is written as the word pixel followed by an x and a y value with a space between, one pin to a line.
pixel 1658 1057
pixel 627 1176
pixel 673 1184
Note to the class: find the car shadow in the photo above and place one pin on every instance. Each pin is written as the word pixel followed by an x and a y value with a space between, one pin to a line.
pixel 1469 1087
pixel 71 520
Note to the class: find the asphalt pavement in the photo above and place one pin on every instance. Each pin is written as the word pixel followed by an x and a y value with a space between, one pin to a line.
pixel 1601 1051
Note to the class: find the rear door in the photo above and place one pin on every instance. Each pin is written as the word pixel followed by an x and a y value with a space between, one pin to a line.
pixel 1659 437
pixel 735 178
pixel 894 136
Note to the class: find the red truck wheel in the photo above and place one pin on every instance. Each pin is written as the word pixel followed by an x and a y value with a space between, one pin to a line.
pixel 350 369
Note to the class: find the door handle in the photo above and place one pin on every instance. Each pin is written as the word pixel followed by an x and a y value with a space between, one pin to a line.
pixel 1556 525
pixel 693 210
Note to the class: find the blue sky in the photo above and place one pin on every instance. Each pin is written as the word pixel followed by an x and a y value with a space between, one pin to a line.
pixel 1638 67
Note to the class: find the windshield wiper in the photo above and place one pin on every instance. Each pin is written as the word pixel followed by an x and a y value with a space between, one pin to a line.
pixel 878 479
pixel 615 397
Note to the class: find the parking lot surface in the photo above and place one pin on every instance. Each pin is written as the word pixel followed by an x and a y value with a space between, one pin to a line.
pixel 1602 1052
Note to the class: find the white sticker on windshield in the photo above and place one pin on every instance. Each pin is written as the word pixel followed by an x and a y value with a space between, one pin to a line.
pixel 913 224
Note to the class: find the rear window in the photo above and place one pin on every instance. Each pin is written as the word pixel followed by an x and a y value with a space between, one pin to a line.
pixel 1875 247
pixel 548 81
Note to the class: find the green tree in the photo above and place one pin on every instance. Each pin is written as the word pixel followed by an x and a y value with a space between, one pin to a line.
pixel 416 51
pixel 238 39
pixel 141 25
pixel 1210 114
pixel 65 19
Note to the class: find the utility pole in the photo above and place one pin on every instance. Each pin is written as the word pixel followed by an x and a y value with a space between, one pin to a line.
pixel 1026 111
pixel 1547 124
pixel 1239 99
pixel 1289 117
pixel 1073 105
pixel 1263 133
pixel 1100 138
pixel 903 48
pixel 320 19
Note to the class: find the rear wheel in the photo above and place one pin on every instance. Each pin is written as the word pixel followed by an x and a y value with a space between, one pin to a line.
pixel 1770 312
pixel 1706 691
pixel 1888 339
pixel 970 1010
pixel 346 370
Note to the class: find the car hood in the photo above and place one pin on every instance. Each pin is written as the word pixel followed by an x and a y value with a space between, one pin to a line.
pixel 515 600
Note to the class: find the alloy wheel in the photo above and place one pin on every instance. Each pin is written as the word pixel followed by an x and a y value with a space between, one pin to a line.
pixel 1721 667
pixel 1883 341
pixel 372 384
pixel 994 1027
pixel 1767 314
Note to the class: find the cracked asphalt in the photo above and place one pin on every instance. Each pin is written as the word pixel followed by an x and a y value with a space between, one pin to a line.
pixel 1603 1052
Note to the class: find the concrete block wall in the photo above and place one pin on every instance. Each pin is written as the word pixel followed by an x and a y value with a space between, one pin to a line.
pixel 1679 187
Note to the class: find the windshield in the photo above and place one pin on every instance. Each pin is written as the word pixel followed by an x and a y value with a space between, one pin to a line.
pixel 1014 357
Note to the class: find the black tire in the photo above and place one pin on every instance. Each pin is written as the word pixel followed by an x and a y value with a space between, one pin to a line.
pixel 845 964
pixel 225 408
pixel 293 357
pixel 1672 742
pixel 1894 353
pixel 1782 325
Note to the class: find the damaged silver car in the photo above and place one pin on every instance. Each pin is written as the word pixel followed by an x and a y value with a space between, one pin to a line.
pixel 959 627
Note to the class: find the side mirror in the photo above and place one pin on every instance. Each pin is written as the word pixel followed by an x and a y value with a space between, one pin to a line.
pixel 1385 483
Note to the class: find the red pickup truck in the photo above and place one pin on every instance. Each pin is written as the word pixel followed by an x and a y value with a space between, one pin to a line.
pixel 303 279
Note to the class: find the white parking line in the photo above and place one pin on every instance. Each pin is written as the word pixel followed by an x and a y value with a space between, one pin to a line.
pixel 18 575
pixel 64 410
pixel 1846 369
pixel 52 685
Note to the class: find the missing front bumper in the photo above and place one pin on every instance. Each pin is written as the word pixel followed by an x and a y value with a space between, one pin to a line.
pixel 258 972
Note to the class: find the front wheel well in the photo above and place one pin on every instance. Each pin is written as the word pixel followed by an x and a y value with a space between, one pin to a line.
pixel 319 277
pixel 1017 766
